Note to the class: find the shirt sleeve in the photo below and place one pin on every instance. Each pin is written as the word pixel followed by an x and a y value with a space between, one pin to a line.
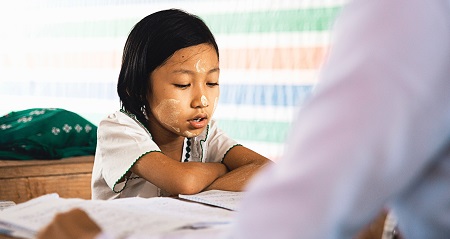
pixel 378 120
pixel 218 143
pixel 122 140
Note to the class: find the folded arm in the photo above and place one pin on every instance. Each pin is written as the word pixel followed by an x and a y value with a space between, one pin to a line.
pixel 176 177
pixel 242 163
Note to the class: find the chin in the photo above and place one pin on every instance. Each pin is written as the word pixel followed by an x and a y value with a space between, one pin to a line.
pixel 190 134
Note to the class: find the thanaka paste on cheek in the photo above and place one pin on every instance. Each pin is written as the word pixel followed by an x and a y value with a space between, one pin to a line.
pixel 204 100
pixel 167 113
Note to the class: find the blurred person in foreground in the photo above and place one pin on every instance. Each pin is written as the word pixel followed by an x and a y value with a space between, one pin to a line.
pixel 375 134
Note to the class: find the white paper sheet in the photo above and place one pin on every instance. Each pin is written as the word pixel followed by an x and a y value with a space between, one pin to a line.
pixel 6 204
pixel 224 199
pixel 120 217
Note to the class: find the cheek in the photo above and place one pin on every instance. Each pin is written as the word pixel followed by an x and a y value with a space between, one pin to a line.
pixel 204 100
pixel 167 112
pixel 216 100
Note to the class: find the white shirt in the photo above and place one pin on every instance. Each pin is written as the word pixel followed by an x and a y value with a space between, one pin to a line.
pixel 375 133
pixel 122 140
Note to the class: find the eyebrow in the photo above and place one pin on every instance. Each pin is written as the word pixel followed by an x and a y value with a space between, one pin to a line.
pixel 184 71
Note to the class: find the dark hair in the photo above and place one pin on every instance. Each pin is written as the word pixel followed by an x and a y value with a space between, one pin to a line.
pixel 150 43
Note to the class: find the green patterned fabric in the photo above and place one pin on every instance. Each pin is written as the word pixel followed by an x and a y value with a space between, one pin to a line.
pixel 42 133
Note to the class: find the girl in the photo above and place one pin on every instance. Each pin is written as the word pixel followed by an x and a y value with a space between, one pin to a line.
pixel 164 141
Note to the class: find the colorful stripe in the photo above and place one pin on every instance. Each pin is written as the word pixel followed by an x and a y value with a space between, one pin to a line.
pixel 290 20
pixel 256 131
pixel 257 95
pixel 268 58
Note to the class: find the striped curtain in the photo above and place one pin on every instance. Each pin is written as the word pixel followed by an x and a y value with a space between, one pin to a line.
pixel 67 54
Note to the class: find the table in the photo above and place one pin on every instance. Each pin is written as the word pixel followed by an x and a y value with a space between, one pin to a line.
pixel 24 180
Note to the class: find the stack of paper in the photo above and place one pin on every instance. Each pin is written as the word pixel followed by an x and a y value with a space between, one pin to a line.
pixel 120 217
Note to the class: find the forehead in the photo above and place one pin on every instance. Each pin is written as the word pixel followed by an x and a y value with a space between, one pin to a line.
pixel 186 56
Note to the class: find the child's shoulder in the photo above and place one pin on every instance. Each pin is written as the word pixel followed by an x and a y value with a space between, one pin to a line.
pixel 123 119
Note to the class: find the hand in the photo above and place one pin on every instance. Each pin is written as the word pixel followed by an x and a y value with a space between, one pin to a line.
pixel 74 224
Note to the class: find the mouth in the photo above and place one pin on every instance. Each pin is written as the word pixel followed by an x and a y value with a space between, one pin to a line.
pixel 199 121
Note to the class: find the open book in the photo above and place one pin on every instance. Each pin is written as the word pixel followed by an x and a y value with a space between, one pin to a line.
pixel 224 199
pixel 140 217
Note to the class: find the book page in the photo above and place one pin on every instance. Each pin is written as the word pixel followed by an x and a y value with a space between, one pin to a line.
pixel 119 217
pixel 224 199
pixel 6 204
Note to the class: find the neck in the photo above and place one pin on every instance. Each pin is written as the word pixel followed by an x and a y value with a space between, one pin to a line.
pixel 170 146
pixel 170 143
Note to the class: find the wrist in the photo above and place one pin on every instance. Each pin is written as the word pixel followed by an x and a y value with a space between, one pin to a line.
pixel 223 169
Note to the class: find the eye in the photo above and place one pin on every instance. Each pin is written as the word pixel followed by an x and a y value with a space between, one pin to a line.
pixel 212 84
pixel 182 86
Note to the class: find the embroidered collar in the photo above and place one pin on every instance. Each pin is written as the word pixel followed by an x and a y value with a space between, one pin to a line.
pixel 196 142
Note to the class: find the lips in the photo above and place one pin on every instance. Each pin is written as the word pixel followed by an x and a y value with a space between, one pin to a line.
pixel 199 121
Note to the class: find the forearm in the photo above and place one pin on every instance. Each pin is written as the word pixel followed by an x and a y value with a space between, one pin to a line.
pixel 237 179
pixel 176 177
pixel 198 176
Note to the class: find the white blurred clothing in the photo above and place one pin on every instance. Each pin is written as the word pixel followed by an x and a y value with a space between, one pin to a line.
pixel 376 132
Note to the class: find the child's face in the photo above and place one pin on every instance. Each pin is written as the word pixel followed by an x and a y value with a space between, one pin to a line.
pixel 185 91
